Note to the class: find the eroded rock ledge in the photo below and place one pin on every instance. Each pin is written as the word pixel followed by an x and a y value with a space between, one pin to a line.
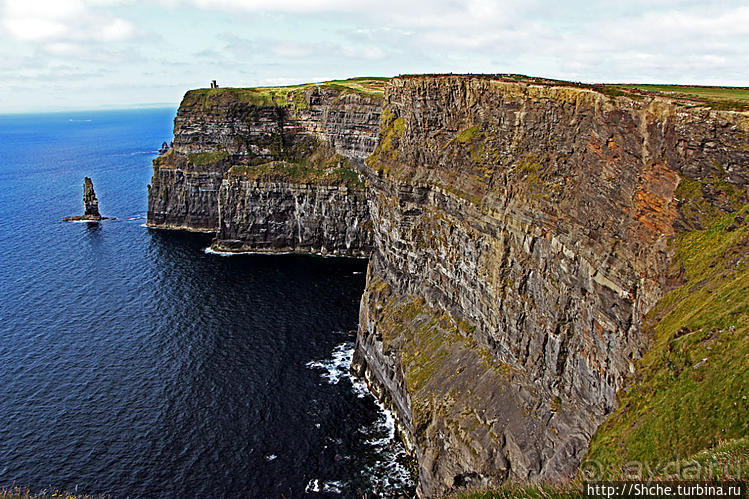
pixel 287 217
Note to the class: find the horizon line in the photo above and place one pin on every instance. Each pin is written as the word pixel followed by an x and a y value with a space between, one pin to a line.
pixel 113 107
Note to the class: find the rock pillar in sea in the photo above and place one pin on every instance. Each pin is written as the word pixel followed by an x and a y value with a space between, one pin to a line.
pixel 90 203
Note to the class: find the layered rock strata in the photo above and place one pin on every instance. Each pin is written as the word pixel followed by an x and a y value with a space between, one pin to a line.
pixel 277 216
pixel 307 144
pixel 90 205
pixel 521 233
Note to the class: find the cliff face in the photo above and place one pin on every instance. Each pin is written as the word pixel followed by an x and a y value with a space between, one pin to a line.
pixel 184 195
pixel 307 144
pixel 521 233
pixel 282 216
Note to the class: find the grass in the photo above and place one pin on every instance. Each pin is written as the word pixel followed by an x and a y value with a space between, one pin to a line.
pixel 734 93
pixel 722 98
pixel 475 140
pixel 292 96
pixel 726 461
pixel 386 151
pixel 164 159
pixel 691 388
pixel 424 348
pixel 522 491
pixel 322 167
pixel 686 414
pixel 440 360
pixel 207 158
pixel 19 493
pixel 468 135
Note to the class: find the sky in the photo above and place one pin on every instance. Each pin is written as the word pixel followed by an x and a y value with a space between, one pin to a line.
pixel 93 54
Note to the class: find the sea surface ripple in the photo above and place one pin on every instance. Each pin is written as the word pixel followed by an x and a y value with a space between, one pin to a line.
pixel 134 364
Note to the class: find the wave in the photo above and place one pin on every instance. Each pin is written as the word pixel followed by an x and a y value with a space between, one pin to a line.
pixel 388 472
pixel 338 366
pixel 329 486
pixel 210 251
pixel 90 221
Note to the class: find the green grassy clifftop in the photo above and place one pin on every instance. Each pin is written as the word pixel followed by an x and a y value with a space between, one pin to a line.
pixel 292 96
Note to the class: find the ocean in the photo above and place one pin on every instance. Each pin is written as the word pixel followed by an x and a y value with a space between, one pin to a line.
pixel 134 363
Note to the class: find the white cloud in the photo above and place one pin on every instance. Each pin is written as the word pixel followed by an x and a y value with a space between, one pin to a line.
pixel 113 30
pixel 682 46
pixel 366 52
pixel 63 48
pixel 414 13
pixel 56 22
pixel 292 50
pixel 299 50
pixel 184 43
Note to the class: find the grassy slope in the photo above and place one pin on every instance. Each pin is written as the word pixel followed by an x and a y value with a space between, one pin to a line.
pixel 691 388
pixel 318 165
pixel 686 416
pixel 523 492
pixel 737 93
pixel 730 455
pixel 325 170
pixel 723 98
pixel 18 493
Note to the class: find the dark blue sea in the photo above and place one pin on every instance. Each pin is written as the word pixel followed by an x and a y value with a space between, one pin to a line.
pixel 133 363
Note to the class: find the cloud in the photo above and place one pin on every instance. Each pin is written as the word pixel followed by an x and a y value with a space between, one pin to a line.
pixel 299 50
pixel 57 23
pixel 687 45
pixel 414 13
pixel 185 43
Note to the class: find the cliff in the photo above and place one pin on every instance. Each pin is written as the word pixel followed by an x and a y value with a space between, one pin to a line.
pixel 305 143
pixel 550 262
pixel 282 216
pixel 522 232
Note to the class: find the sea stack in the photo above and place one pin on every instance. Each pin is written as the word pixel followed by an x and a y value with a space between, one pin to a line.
pixel 90 205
